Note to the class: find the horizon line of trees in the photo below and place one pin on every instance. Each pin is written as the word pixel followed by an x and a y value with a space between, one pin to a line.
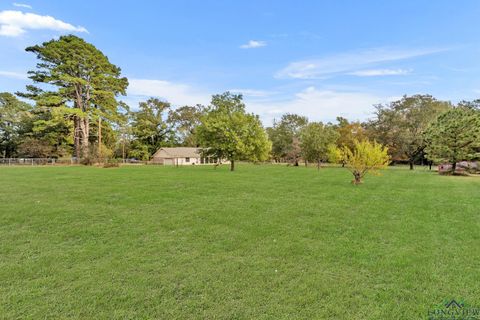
pixel 76 112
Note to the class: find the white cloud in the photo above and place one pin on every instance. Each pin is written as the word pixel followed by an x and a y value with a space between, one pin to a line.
pixel 316 104
pixel 176 93
pixel 319 105
pixel 253 92
pixel 14 75
pixel 380 72
pixel 349 62
pixel 253 44
pixel 15 23
pixel 22 5
pixel 10 30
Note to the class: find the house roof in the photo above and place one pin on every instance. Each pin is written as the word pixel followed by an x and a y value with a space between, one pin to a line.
pixel 180 152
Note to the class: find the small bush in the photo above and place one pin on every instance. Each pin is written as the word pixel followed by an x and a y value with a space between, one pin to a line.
pixel 87 161
pixel 111 164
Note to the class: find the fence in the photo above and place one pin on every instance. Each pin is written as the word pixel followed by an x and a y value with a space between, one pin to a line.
pixel 27 161
pixel 53 161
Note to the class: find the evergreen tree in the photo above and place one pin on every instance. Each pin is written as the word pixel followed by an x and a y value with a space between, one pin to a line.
pixel 454 136
pixel 86 83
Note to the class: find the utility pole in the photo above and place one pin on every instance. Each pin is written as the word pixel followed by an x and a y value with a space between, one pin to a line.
pixel 100 139
pixel 123 147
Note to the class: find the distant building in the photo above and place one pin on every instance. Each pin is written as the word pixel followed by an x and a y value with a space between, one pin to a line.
pixel 182 156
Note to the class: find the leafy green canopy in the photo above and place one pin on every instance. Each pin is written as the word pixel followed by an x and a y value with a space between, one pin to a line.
pixel 149 128
pixel 184 122
pixel 81 83
pixel 315 140
pixel 48 134
pixel 228 132
pixel 13 116
pixel 285 137
pixel 454 136
pixel 401 124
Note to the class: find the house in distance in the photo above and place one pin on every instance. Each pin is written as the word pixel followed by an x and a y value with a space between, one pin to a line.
pixel 182 156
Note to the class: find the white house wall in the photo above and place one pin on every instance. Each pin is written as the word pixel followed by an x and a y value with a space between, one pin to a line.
pixel 182 161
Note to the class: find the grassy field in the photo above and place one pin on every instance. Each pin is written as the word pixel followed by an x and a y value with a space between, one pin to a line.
pixel 264 242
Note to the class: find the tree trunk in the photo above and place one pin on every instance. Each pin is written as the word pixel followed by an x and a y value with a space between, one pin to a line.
pixel 430 165
pixel 232 165
pixel 76 137
pixel 454 166
pixel 296 162
pixel 306 163
pixel 123 148
pixel 84 137
pixel 410 162
pixel 358 178
pixel 318 165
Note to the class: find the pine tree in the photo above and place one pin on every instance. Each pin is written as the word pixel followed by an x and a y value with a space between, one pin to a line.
pixel 86 84
pixel 454 136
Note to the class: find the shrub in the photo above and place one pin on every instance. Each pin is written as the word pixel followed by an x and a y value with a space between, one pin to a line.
pixel 364 157
pixel 111 163
pixel 87 161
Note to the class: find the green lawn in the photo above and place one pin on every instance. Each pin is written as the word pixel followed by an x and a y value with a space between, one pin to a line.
pixel 263 242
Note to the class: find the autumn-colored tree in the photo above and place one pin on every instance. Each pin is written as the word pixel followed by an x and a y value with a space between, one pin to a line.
pixel 364 157
pixel 348 132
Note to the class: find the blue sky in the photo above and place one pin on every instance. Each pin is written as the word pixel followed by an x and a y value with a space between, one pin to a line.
pixel 316 58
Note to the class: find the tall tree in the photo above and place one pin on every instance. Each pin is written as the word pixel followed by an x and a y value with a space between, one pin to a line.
pixel 454 136
pixel 87 84
pixel 150 129
pixel 285 137
pixel 400 125
pixel 14 115
pixel 229 132
pixel 184 121
pixel 315 140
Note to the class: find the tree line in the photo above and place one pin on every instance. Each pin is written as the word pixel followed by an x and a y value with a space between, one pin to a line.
pixel 75 110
